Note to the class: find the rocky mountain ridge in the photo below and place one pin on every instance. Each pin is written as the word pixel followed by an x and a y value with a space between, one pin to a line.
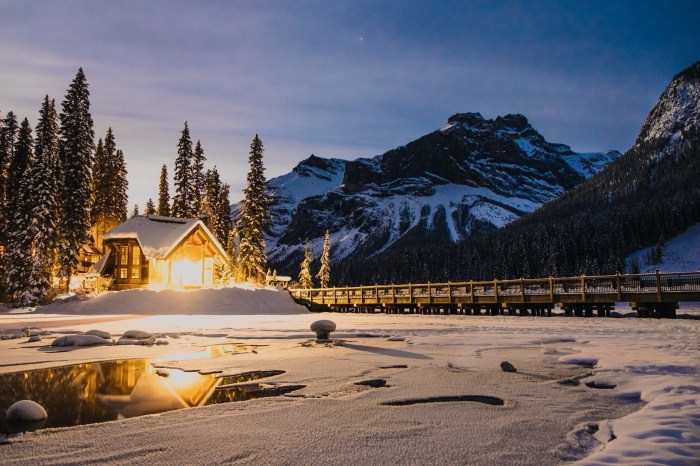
pixel 472 176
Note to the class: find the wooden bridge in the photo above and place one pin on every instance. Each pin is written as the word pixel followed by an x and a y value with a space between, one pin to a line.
pixel 651 295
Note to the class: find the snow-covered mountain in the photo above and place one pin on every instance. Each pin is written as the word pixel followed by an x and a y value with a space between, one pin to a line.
pixel 471 176
pixel 676 110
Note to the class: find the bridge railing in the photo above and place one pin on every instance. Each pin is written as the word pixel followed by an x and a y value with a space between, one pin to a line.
pixel 604 284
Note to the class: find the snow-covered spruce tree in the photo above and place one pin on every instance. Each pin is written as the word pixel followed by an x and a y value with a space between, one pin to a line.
pixel 8 137
pixel 230 273
pixel 108 188
pixel 305 280
pixel 19 165
pixel 76 146
pixel 220 218
pixel 254 217
pixel 183 202
pixel 324 274
pixel 211 197
pixel 135 212
pixel 44 217
pixel 198 179
pixel 121 199
pixel 150 208
pixel 19 247
pixel 163 193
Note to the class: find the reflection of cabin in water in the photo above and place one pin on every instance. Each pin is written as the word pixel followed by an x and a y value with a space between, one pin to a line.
pixel 160 252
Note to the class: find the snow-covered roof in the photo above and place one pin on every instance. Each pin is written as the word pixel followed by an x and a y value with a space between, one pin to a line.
pixel 96 269
pixel 158 236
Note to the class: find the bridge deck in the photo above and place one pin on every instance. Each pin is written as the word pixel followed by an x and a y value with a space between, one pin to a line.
pixel 653 294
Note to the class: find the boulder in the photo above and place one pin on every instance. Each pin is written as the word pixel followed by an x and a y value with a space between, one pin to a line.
pixel 34 338
pixel 323 328
pixel 137 335
pixel 26 411
pixel 81 340
pixel 508 367
pixel 133 341
pixel 99 333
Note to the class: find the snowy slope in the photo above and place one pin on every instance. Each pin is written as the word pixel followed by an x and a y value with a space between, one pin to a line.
pixel 681 254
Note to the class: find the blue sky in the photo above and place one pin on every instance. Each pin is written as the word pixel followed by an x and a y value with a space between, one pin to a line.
pixel 340 79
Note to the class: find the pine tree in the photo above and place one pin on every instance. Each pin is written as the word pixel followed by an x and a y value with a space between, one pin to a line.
pixel 183 202
pixel 19 164
pixel 305 280
pixel 8 137
pixel 218 203
pixel 255 217
pixel 19 248
pixel 109 184
pixel 121 199
pixel 76 157
pixel 150 208
pixel 324 274
pixel 163 193
pixel 230 272
pixel 135 212
pixel 42 228
pixel 198 178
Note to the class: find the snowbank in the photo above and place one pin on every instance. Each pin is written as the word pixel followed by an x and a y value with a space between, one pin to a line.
pixel 239 300
pixel 682 254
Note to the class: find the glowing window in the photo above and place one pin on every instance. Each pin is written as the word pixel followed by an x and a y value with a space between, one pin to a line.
pixel 122 273
pixel 124 255
pixel 135 272
pixel 136 255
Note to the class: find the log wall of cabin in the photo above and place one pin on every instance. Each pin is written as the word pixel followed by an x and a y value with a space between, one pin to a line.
pixel 130 267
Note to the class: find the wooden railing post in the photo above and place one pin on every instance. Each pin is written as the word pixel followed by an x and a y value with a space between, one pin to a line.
pixel 522 289
pixel 495 290
pixel 583 288
pixel 393 294
pixel 618 286
pixel 471 290
pixel 430 294
pixel 376 293
pixel 449 292
pixel 658 286
pixel 410 293
pixel 551 289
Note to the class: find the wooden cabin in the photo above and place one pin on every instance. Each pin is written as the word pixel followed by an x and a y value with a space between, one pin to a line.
pixel 148 251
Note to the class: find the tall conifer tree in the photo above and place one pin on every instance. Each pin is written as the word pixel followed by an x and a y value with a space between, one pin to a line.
pixel 76 157
pixel 163 193
pixel 42 228
pixel 198 177
pixel 109 184
pixel 183 202
pixel 305 279
pixel 8 137
pixel 324 274
pixel 150 208
pixel 255 217
pixel 19 248
pixel 19 165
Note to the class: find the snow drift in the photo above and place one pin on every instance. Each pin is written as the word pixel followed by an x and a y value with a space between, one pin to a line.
pixel 239 300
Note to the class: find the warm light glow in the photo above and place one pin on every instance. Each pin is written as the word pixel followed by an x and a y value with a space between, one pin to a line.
pixel 186 273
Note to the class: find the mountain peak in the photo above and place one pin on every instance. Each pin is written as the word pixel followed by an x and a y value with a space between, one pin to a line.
pixel 677 109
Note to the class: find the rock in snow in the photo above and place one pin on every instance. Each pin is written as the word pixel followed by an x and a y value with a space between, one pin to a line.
pixel 323 328
pixel 81 340
pixel 34 338
pixel 508 367
pixel 136 335
pixel 26 411
pixel 99 333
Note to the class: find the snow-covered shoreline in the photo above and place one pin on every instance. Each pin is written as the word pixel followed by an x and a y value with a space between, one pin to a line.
pixel 654 364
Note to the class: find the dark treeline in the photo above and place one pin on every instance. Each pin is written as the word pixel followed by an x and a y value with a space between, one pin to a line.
pixel 650 194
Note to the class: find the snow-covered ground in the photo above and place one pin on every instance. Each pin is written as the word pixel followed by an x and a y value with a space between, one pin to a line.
pixel 682 254
pixel 651 417
pixel 236 300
